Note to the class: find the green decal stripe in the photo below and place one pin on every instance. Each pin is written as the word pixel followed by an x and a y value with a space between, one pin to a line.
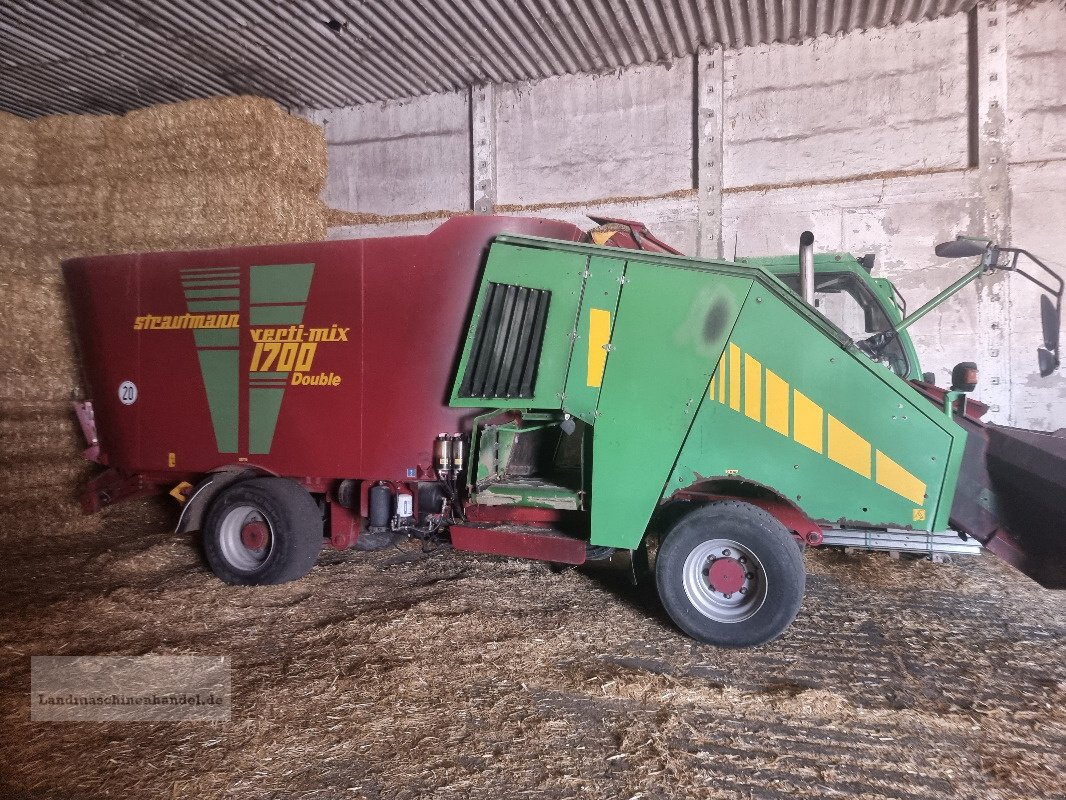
pixel 280 283
pixel 263 408
pixel 196 306
pixel 190 284
pixel 221 371
pixel 209 271
pixel 268 376
pixel 276 315
pixel 213 294
pixel 225 337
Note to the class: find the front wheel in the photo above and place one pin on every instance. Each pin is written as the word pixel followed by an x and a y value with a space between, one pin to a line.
pixel 263 531
pixel 730 574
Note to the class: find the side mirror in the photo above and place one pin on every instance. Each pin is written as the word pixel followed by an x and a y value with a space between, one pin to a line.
pixel 961 248
pixel 1048 355
pixel 929 377
pixel 964 377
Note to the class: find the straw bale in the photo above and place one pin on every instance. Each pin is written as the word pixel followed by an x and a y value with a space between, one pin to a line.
pixel 73 217
pixel 18 152
pixel 212 210
pixel 191 175
pixel 221 135
pixel 73 149
pixel 36 344
pixel 40 450
pixel 17 226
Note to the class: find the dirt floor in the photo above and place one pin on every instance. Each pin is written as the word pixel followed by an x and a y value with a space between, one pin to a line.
pixel 402 675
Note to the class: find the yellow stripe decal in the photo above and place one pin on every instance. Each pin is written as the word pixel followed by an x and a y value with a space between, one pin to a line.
pixel 896 479
pixel 806 421
pixel 847 448
pixel 734 377
pixel 752 388
pixel 764 396
pixel 776 403
pixel 599 335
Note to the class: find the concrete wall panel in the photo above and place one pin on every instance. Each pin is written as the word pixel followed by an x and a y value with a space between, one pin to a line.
pixel 1036 49
pixel 398 157
pixel 572 138
pixel 839 106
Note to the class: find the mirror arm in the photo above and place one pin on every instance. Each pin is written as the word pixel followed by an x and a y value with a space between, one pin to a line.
pixel 1017 251
pixel 958 285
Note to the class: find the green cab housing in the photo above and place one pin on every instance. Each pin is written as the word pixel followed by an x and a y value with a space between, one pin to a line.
pixel 691 371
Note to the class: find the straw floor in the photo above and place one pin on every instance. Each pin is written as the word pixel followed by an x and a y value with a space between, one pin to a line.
pixel 402 675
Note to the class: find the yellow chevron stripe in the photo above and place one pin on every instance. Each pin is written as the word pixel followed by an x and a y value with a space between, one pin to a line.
pixel 599 335
pixel 721 378
pixel 752 388
pixel 777 390
pixel 734 377
pixel 847 448
pixel 896 479
pixel 806 421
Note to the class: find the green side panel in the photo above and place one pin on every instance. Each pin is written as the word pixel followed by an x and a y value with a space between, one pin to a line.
pixel 600 295
pixel 840 436
pixel 220 369
pixel 224 337
pixel 263 408
pixel 671 327
pixel 276 315
pixel 559 272
pixel 280 283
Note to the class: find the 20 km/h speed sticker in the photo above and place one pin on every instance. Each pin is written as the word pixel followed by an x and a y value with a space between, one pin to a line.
pixel 127 393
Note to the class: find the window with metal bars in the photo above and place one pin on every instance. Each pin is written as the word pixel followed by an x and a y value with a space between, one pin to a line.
pixel 507 342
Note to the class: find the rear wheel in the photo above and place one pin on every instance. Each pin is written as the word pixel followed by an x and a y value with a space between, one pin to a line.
pixel 262 531
pixel 730 574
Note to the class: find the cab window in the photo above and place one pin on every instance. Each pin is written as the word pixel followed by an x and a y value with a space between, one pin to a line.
pixel 848 303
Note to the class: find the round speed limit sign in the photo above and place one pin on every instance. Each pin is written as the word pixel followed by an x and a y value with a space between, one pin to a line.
pixel 127 393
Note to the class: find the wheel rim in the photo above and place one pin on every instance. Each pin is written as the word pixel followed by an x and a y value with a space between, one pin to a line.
pixel 245 538
pixel 724 580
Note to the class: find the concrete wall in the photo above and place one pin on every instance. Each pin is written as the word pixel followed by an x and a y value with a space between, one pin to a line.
pixel 885 142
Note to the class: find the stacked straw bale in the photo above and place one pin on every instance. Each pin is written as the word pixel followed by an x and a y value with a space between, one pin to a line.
pixel 205 173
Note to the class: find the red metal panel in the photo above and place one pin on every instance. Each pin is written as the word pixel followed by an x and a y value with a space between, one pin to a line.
pixel 405 302
pixel 519 544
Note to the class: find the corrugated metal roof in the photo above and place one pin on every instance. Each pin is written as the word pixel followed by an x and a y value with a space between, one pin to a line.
pixel 85 56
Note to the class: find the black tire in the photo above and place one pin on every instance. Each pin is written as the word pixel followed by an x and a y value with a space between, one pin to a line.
pixel 764 559
pixel 285 517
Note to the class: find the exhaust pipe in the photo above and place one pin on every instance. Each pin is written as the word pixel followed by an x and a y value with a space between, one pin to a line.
pixel 806 259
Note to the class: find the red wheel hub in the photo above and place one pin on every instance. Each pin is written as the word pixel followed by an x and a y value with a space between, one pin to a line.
pixel 726 575
pixel 254 535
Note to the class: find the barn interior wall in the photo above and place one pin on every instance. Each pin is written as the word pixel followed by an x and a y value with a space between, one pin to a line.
pixel 882 141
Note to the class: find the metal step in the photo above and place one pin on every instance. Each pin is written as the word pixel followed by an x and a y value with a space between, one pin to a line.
pixel 901 540
pixel 541 544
